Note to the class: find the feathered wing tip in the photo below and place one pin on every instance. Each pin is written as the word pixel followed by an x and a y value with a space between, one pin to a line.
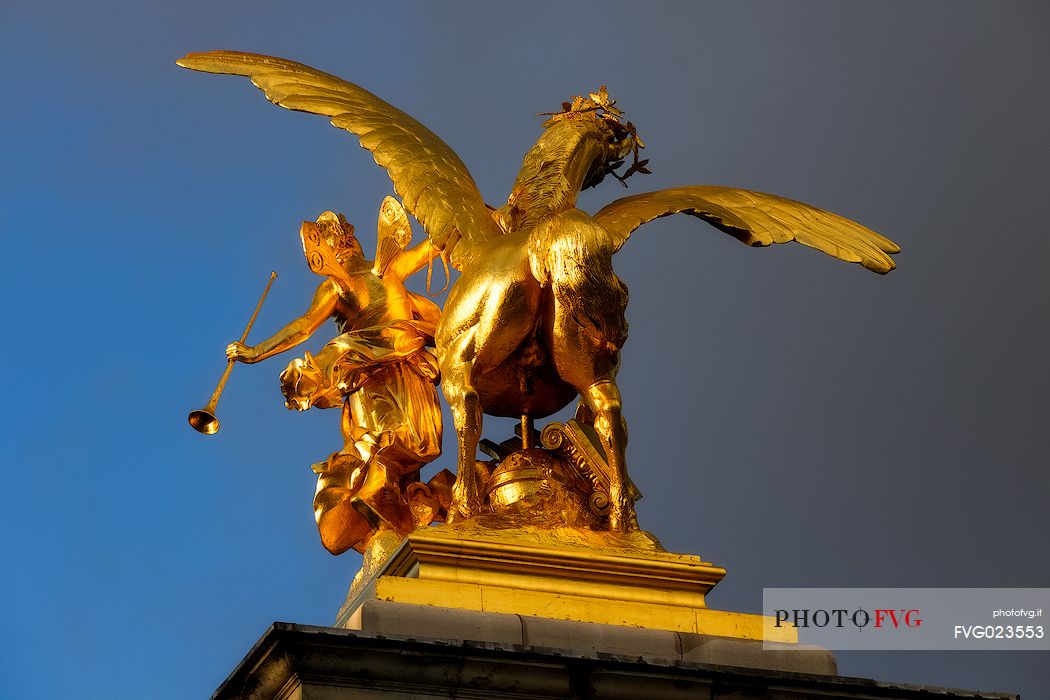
pixel 756 219
pixel 433 183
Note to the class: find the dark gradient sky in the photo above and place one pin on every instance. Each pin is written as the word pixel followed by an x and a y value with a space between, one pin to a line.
pixel 801 421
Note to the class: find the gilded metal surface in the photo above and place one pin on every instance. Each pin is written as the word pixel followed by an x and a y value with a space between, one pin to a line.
pixel 536 317
pixel 580 446
pixel 560 573
pixel 534 487
pixel 381 373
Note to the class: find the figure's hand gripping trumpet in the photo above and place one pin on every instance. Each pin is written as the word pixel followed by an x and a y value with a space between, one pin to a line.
pixel 203 420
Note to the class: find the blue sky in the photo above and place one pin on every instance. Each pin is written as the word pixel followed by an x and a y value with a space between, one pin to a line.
pixel 798 420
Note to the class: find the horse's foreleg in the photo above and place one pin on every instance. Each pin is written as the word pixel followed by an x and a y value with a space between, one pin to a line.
pixel 466 492
pixel 466 416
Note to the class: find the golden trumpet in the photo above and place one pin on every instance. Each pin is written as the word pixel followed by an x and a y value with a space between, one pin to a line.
pixel 203 420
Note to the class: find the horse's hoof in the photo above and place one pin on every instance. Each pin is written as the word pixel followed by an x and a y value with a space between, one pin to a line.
pixel 622 518
pixel 457 514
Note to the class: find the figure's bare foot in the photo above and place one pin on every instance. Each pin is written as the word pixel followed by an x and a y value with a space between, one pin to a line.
pixel 380 501
pixel 385 507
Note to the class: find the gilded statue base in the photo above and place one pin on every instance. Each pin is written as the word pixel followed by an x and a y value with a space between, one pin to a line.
pixel 623 579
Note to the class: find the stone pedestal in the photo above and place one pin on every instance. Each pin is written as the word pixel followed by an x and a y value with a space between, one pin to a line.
pixel 410 621
pixel 297 662
pixel 481 609
pixel 473 611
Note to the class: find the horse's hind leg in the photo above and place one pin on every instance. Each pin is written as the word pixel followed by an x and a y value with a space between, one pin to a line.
pixel 603 398
pixel 590 366
pixel 462 397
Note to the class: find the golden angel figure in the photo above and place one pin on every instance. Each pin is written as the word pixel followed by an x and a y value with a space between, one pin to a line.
pixel 378 369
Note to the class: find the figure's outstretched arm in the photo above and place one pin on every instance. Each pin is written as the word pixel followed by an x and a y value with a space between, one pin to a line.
pixel 321 308
pixel 412 260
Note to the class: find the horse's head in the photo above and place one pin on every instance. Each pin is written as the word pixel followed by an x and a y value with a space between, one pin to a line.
pixel 579 146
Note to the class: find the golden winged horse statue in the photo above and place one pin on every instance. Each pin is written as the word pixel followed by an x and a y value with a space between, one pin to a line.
pixel 536 316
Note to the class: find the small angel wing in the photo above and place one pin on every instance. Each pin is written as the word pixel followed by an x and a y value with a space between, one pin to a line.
pixel 393 234
pixel 432 181
pixel 756 219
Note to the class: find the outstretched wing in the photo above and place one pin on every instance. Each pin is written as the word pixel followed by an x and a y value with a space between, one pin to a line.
pixel 432 181
pixel 756 219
